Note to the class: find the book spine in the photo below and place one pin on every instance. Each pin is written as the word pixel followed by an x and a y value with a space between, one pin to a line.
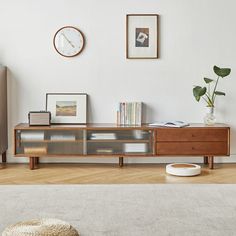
pixel 124 113
pixel 118 115
pixel 137 113
pixel 140 114
pixel 129 113
pixel 134 110
pixel 132 113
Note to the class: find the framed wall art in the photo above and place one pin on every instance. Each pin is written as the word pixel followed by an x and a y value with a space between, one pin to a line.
pixel 67 108
pixel 142 36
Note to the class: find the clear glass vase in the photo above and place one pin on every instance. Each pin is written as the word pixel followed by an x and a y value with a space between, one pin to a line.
pixel 210 118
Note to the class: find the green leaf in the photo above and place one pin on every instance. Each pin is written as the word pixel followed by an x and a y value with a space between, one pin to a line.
pixel 198 92
pixel 197 98
pixel 202 91
pixel 222 72
pixel 208 80
pixel 219 93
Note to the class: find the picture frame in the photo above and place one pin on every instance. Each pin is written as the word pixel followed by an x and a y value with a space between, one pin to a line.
pixel 67 108
pixel 142 33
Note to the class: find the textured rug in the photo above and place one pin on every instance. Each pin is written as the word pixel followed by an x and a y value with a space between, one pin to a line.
pixel 126 210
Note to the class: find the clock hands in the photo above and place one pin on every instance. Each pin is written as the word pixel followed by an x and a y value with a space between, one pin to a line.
pixel 68 40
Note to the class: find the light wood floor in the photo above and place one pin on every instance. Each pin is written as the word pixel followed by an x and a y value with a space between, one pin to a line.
pixel 109 174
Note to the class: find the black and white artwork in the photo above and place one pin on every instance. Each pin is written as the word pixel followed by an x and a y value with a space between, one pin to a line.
pixel 142 36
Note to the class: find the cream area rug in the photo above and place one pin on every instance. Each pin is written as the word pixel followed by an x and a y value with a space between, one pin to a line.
pixel 126 210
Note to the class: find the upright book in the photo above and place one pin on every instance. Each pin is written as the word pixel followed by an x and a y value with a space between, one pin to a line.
pixel 129 113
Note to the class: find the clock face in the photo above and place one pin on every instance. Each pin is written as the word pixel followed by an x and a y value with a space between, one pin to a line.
pixel 68 41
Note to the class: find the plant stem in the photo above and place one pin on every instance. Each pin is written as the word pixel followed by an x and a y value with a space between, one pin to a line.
pixel 209 89
pixel 213 94
pixel 207 101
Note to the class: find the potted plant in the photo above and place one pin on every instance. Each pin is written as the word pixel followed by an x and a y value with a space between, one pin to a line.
pixel 209 93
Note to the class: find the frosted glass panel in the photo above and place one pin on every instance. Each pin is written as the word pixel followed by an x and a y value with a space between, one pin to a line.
pixel 49 142
pixel 119 142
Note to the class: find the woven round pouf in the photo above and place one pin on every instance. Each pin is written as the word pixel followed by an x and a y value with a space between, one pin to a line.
pixel 41 227
pixel 183 169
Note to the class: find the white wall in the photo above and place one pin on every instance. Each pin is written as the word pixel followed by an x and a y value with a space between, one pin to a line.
pixel 194 36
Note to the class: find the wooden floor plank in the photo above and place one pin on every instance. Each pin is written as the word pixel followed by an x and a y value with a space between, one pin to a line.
pixel 109 174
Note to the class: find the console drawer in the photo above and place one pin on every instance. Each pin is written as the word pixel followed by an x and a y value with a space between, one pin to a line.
pixel 192 148
pixel 192 134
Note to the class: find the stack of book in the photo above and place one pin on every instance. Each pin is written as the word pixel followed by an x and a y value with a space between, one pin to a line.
pixel 32 136
pixel 35 150
pixel 104 150
pixel 135 147
pixel 69 137
pixel 129 113
pixel 97 136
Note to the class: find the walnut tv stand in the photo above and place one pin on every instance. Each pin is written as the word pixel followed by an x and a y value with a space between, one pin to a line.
pixel 110 140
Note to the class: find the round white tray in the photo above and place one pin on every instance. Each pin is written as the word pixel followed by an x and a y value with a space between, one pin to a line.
pixel 183 169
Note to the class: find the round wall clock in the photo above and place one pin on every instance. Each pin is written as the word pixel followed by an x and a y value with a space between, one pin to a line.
pixel 68 41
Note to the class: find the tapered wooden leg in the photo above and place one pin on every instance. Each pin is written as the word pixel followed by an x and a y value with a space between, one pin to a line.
pixel 31 163
pixel 4 157
pixel 36 160
pixel 205 160
pixel 121 161
pixel 211 162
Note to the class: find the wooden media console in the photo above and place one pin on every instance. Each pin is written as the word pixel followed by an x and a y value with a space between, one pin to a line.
pixel 110 140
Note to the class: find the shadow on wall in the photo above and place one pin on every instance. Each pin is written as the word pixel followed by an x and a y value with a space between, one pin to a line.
pixel 148 113
pixel 13 98
pixel 89 110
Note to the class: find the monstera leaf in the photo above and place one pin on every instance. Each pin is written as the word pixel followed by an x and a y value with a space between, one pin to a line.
pixel 222 72
pixel 210 93
pixel 219 93
pixel 207 80
pixel 198 92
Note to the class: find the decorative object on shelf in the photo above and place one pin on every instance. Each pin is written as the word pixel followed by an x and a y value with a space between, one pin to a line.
pixel 41 150
pixel 41 227
pixel 210 118
pixel 39 117
pixel 34 135
pixel 129 113
pixel 142 36
pixel 209 93
pixel 135 147
pixel 104 150
pixel 183 169
pixel 139 134
pixel 62 137
pixel 103 136
pixel 67 108
pixel 68 41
